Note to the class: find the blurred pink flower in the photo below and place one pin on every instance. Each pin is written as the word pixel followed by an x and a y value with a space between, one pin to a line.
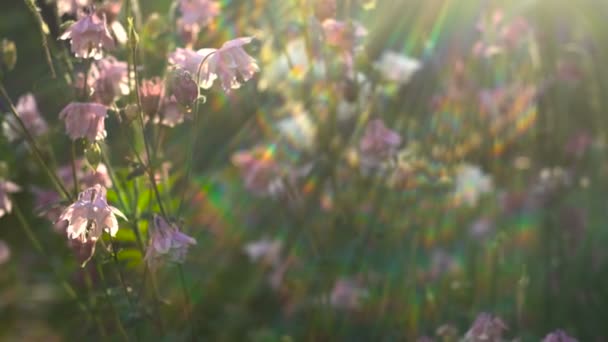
pixel 90 215
pixel 559 336
pixel 347 294
pixel 6 188
pixel 109 79
pixel 343 34
pixel 230 63
pixel 171 113
pixel 99 176
pixel 486 328
pixel 325 9
pixel 111 9
pixel 47 204
pixel 5 252
pixel 150 92
pixel 198 12
pixel 378 143
pixel 29 114
pixel 166 241
pixel 89 36
pixel 258 169
pixel 84 120
pixel 578 144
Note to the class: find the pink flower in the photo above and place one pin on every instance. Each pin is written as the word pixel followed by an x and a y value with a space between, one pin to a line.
pixel 109 80
pixel 181 85
pixel 198 13
pixel 378 143
pixel 29 114
pixel 89 36
pixel 90 215
pixel 150 93
pixel 171 113
pixel 559 336
pixel 230 64
pixel 342 34
pixel 258 168
pixel 84 120
pixel 47 204
pixel 347 295
pixel 166 241
pixel 486 328
pixel 99 176
pixel 7 187
pixel 111 9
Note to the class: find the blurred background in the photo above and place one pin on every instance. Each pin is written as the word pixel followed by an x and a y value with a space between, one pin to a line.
pixel 495 201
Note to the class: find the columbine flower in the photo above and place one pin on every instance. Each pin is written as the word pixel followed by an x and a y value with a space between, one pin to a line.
pixel 486 328
pixel 109 80
pixel 98 176
pixel 471 183
pixel 347 295
pixel 378 143
pixel 230 63
pixel 166 241
pixel 90 215
pixel 171 112
pixel 181 85
pixel 396 67
pixel 150 93
pixel 6 187
pixel 265 250
pixel 89 36
pixel 29 114
pixel 559 336
pixel 111 9
pixel 84 120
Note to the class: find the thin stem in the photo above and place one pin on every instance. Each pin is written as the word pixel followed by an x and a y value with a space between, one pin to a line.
pixel 102 277
pixel 182 280
pixel 74 178
pixel 34 147
pixel 44 31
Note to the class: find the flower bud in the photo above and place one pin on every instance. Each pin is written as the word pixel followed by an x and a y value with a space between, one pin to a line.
pixel 93 154
pixel 182 86
pixel 9 54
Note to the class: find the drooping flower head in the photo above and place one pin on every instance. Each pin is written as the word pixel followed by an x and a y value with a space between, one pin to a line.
pixel 90 216
pixel 378 143
pixel 486 328
pixel 84 120
pixel 6 188
pixel 150 93
pixel 167 243
pixel 230 63
pixel 89 35
pixel 109 80
pixel 559 336
pixel 29 114
pixel 182 87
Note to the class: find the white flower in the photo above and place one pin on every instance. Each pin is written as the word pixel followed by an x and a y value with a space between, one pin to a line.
pixel 265 250
pixel 471 183
pixel 6 187
pixel 397 67
pixel 90 215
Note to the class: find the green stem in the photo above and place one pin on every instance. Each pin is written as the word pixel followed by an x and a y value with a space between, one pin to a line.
pixel 182 280
pixel 74 178
pixel 119 324
pixel 34 147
